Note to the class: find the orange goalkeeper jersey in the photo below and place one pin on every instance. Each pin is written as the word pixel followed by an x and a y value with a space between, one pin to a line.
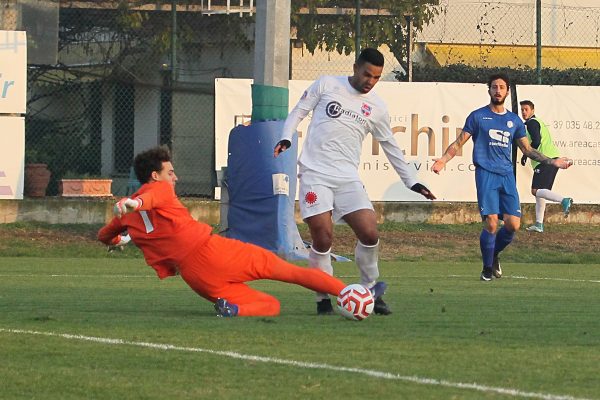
pixel 162 228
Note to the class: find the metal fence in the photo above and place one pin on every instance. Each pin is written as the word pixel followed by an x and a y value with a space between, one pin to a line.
pixel 129 77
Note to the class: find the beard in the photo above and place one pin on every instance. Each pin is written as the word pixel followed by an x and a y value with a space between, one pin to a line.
pixel 498 102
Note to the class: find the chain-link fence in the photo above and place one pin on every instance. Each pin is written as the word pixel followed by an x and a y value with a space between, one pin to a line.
pixel 504 35
pixel 130 75
pixel 128 78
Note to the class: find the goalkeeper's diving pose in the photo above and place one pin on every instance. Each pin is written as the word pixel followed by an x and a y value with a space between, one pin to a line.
pixel 216 268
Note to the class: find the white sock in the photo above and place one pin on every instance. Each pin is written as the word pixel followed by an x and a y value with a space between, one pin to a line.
pixel 540 209
pixel 323 262
pixel 548 195
pixel 366 260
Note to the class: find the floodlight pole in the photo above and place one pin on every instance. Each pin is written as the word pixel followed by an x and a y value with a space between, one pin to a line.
pixel 271 60
pixel 272 46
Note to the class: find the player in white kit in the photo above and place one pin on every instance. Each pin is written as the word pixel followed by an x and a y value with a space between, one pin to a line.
pixel 344 111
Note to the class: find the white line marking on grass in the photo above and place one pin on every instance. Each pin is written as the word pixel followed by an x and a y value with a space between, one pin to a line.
pixel 533 278
pixel 74 276
pixel 301 364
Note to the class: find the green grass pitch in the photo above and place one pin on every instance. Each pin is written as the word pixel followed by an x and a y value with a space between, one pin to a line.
pixel 107 328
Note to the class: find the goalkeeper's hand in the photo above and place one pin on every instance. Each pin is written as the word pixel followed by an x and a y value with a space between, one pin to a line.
pixel 126 205
pixel 422 190
pixel 123 240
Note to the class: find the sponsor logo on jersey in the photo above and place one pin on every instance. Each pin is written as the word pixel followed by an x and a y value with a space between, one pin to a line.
pixel 304 95
pixel 365 109
pixel 334 109
pixel 499 138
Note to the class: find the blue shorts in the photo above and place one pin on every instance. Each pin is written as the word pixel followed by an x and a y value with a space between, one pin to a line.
pixel 497 194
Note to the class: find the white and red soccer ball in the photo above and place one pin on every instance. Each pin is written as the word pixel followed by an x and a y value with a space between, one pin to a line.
pixel 355 302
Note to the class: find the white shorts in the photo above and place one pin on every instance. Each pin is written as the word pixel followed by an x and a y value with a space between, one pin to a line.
pixel 342 200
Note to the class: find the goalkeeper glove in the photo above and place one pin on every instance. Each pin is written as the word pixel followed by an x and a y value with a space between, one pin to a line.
pixel 126 205
pixel 123 240
pixel 422 190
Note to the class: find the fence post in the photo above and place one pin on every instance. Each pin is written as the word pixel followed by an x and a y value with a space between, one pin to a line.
pixel 538 40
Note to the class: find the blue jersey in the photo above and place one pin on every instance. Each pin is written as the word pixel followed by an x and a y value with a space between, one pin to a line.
pixel 493 135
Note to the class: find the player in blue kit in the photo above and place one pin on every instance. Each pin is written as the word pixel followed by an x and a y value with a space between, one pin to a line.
pixel 494 129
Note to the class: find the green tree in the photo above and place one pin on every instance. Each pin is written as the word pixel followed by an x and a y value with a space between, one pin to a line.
pixel 330 24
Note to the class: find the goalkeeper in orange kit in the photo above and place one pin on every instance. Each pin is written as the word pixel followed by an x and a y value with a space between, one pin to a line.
pixel 213 266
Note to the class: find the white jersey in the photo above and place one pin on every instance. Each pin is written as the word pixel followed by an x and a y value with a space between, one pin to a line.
pixel 342 118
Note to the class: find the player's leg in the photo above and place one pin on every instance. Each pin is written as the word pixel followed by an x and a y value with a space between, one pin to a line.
pixel 364 224
pixel 510 208
pixel 487 242
pixel 216 271
pixel 541 188
pixel 488 198
pixel 540 210
pixel 238 299
pixel 316 203
pixel 310 278
pixel 544 180
pixel 263 264
pixel 221 262
pixel 352 204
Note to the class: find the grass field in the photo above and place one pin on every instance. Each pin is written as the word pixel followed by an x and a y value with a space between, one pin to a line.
pixel 104 327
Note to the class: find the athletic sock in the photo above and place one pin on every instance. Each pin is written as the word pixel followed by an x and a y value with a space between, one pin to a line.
pixel 548 195
pixel 321 261
pixel 503 239
pixel 540 209
pixel 366 260
pixel 486 243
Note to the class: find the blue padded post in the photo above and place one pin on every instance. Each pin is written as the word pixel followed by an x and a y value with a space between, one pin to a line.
pixel 256 214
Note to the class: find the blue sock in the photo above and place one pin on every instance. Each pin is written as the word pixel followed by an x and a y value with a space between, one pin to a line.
pixel 503 239
pixel 487 242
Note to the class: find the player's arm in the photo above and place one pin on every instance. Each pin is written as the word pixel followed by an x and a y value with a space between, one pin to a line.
pixel 384 135
pixel 396 157
pixel 156 195
pixel 307 103
pixel 532 153
pixel 126 205
pixel 533 128
pixel 112 233
pixel 451 151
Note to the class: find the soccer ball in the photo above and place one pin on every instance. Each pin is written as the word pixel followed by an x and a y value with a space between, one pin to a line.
pixel 355 302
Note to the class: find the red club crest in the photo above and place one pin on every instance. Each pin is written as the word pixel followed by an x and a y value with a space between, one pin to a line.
pixel 310 198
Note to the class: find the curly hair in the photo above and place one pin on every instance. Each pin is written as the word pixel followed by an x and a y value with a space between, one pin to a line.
pixel 494 77
pixel 150 160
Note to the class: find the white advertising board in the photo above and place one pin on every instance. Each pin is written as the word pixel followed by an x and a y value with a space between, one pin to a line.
pixel 12 149
pixel 571 114
pixel 425 117
pixel 13 72
pixel 13 90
